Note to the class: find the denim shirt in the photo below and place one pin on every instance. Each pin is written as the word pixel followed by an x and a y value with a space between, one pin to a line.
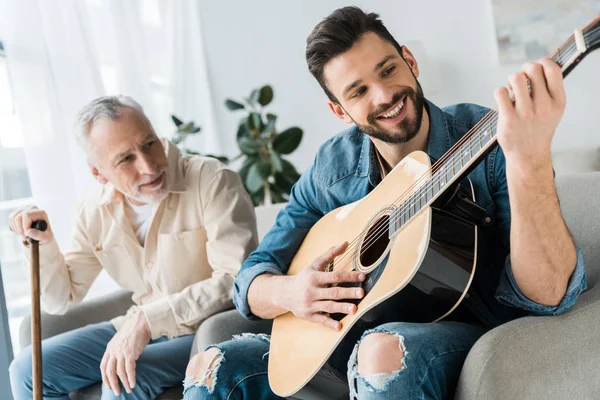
pixel 345 170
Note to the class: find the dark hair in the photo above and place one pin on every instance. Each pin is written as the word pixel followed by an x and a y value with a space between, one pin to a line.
pixel 336 34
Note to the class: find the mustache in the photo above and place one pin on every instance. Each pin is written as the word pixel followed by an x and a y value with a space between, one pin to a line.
pixel 151 178
pixel 408 92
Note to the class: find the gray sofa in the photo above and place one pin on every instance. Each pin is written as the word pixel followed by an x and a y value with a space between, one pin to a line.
pixel 529 358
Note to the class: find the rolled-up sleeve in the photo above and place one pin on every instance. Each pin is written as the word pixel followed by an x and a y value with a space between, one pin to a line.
pixel 509 293
pixel 242 285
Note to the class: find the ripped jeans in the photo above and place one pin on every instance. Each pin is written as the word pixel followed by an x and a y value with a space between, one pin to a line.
pixel 433 357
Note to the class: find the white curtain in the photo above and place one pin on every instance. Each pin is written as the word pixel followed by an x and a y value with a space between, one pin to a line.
pixel 63 53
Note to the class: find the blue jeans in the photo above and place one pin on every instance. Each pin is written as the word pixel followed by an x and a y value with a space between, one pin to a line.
pixel 71 361
pixel 433 358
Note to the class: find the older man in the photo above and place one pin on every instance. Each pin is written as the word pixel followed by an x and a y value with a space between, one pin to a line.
pixel 172 229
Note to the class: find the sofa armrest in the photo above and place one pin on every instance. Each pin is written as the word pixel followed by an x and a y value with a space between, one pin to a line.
pixel 537 357
pixel 88 312
pixel 222 326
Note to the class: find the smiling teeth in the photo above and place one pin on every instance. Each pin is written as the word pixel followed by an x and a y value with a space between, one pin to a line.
pixel 395 111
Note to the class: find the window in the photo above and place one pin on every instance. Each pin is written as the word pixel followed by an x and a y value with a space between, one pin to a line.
pixel 15 192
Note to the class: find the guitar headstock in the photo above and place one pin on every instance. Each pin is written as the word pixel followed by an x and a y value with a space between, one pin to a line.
pixel 581 43
pixel 591 33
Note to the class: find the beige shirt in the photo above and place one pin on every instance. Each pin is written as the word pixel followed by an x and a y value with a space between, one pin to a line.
pixel 195 245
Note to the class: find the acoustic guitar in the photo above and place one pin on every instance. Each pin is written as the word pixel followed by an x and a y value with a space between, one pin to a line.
pixel 414 236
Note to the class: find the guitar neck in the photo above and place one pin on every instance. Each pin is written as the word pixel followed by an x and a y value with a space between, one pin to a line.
pixel 481 139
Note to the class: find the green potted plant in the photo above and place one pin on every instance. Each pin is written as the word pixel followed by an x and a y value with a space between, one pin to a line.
pixel 184 129
pixel 266 174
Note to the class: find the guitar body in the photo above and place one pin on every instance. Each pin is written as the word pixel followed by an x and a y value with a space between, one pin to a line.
pixel 424 268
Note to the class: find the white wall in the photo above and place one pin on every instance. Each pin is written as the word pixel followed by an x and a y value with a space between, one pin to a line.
pixel 252 43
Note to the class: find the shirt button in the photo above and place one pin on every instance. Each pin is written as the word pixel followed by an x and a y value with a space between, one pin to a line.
pixel 487 220
pixel 150 264
pixel 180 236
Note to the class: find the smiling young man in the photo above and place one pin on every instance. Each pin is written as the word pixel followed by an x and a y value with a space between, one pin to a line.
pixel 527 261
pixel 170 228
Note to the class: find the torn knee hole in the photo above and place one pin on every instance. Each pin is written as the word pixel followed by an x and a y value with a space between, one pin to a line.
pixel 381 353
pixel 207 376
pixel 376 361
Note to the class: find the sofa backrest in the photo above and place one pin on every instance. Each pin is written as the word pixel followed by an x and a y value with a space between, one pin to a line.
pixel 580 205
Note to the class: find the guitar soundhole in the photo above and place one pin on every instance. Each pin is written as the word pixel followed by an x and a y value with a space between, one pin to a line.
pixel 375 242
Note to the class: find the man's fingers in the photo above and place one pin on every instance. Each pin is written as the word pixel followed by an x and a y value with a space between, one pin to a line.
pixel 340 293
pixel 328 278
pixel 333 307
pixel 111 375
pixel 323 261
pixel 31 216
pixel 122 374
pixel 535 74
pixel 36 235
pixel 103 371
pixel 326 321
pixel 554 79
pixel 505 106
pixel 17 225
pixel 130 369
pixel 523 101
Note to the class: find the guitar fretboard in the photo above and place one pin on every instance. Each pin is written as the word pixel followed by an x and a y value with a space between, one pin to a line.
pixel 481 139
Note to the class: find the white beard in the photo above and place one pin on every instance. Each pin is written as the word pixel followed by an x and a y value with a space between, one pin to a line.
pixel 154 198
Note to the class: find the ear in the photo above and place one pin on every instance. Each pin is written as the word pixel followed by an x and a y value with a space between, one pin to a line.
pixel 411 61
pixel 339 112
pixel 97 175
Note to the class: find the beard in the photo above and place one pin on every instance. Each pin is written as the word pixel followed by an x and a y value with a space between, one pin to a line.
pixel 158 194
pixel 406 129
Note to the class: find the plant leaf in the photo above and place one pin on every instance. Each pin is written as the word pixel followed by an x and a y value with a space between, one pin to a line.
pixel 248 145
pixel 284 183
pixel 233 105
pixel 264 168
pixel 250 122
pixel 288 140
pixel 277 195
pixel 258 196
pixel 254 96
pixel 243 130
pixel 191 152
pixel 271 116
pixel 243 171
pixel 269 127
pixel 266 95
pixel 257 121
pixel 177 139
pixel 276 162
pixel 187 128
pixel 176 120
pixel 196 130
pixel 289 171
pixel 223 159
pixel 254 180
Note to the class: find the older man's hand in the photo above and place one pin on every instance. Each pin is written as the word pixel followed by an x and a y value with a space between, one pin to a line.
pixel 122 352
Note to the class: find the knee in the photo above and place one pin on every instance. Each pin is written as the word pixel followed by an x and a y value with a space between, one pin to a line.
pixel 380 353
pixel 20 372
pixel 203 367
pixel 20 368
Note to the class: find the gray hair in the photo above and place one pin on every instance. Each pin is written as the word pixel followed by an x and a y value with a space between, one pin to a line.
pixel 103 107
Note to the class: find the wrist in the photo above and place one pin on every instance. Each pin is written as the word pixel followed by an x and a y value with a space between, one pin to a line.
pixel 530 172
pixel 279 287
pixel 142 323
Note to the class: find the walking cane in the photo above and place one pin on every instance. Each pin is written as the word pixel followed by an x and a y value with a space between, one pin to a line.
pixel 36 326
